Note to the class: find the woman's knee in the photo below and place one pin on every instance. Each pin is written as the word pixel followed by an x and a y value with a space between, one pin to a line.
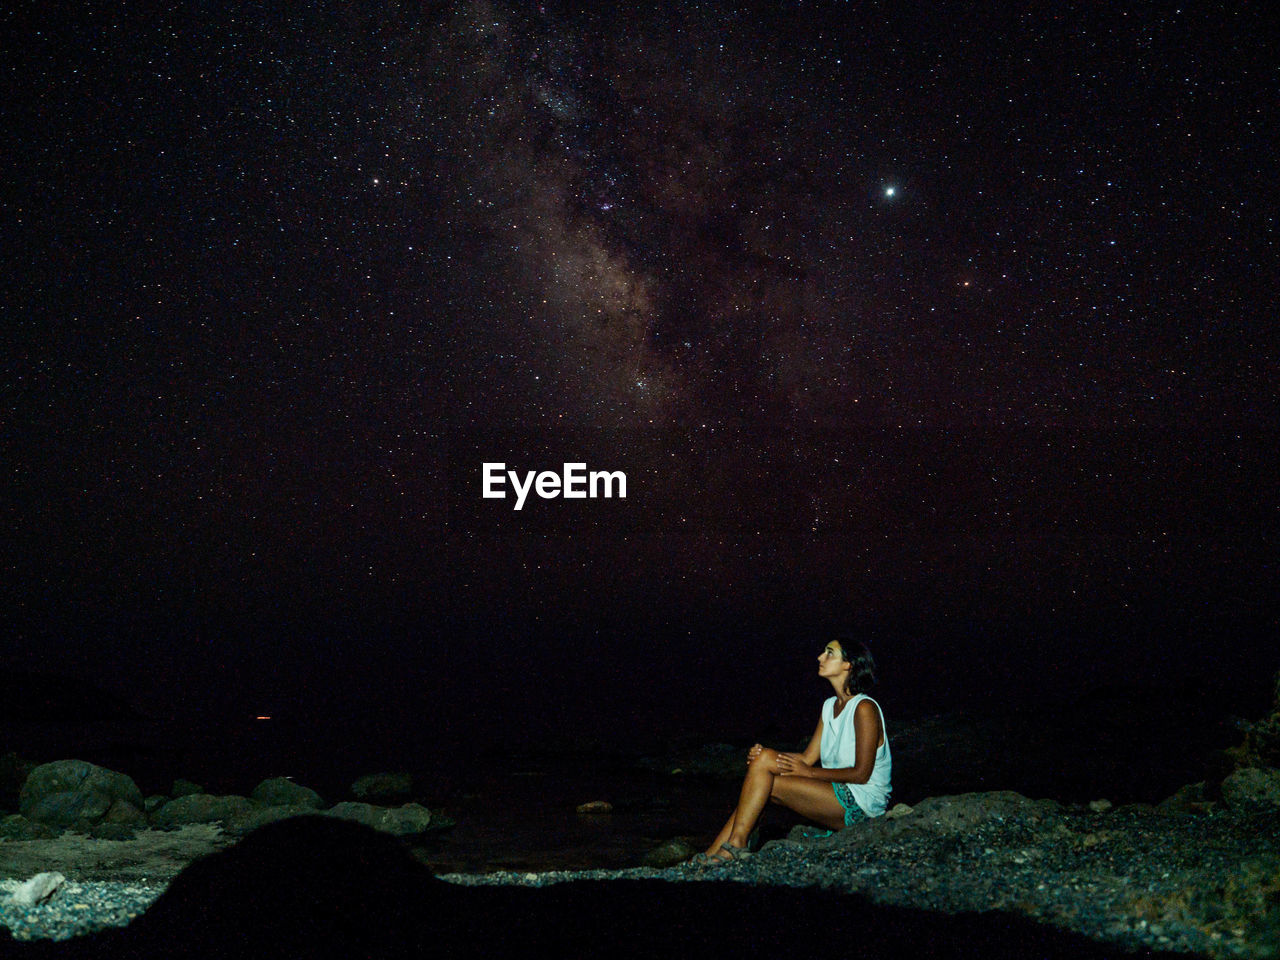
pixel 766 759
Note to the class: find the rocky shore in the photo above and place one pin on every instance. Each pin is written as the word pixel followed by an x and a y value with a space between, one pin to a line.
pixel 89 858
pixel 1134 876
pixel 1189 876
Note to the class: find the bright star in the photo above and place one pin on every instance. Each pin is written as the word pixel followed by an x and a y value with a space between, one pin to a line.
pixel 890 191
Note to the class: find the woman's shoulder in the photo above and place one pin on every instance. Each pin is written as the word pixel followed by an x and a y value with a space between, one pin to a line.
pixel 864 704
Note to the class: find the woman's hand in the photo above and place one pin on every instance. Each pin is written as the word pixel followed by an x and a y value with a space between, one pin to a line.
pixel 793 765
pixel 754 752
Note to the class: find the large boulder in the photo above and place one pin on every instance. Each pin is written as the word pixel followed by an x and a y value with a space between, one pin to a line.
pixel 202 808
pixel 283 792
pixel 261 816
pixel 962 812
pixel 383 788
pixel 402 821
pixel 75 792
pixel 68 808
pixel 1252 790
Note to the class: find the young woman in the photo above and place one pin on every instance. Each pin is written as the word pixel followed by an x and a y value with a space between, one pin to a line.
pixel 852 782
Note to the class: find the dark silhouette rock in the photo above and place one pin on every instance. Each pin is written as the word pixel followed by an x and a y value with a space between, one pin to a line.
pixel 310 886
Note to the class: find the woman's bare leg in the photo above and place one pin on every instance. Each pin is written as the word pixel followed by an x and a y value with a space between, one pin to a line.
pixel 756 788
pixel 723 835
pixel 813 799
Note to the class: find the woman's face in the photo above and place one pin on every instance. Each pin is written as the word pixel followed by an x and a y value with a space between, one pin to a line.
pixel 831 662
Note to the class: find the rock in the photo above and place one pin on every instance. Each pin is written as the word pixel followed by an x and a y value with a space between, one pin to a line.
pixel 124 812
pixel 595 807
pixel 962 812
pixel 402 821
pixel 201 808
pixel 669 854
pixel 283 792
pixel 899 810
pixel 1252 790
pixel 307 887
pixel 69 809
pixel 39 888
pixel 1100 806
pixel 155 802
pixel 67 792
pixel 185 788
pixel 261 816
pixel 383 788
pixel 17 827
pixel 1186 799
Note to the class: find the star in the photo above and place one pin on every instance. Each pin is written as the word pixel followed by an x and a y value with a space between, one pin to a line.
pixel 890 191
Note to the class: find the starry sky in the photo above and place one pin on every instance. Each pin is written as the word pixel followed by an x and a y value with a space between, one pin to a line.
pixel 947 329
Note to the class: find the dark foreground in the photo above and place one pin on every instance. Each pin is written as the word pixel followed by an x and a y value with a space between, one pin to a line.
pixel 314 886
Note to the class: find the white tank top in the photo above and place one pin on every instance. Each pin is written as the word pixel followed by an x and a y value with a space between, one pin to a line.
pixel 840 749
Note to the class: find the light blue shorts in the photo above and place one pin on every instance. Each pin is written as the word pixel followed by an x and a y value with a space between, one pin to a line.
pixel 852 812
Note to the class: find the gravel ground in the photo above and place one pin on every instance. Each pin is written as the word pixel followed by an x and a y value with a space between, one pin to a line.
pixel 1134 876
pixel 76 909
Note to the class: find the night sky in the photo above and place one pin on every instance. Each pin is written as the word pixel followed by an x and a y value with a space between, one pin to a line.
pixel 948 329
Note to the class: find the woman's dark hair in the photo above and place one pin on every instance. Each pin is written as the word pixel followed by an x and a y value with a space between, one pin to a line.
pixel 862 673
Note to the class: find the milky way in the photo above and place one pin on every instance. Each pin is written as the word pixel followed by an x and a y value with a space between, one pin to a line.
pixel 889 314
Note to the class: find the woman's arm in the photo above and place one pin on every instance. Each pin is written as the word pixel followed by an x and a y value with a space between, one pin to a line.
pixel 866 725
pixel 813 752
